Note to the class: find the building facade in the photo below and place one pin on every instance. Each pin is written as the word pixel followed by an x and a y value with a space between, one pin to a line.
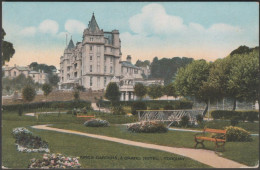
pixel 96 61
pixel 13 72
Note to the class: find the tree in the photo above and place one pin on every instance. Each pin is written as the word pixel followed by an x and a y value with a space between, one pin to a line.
pixel 169 90
pixel 243 78
pixel 28 93
pixel 155 91
pixel 140 90
pixel 112 92
pixel 7 49
pixel 189 80
pixel 47 89
pixel 53 79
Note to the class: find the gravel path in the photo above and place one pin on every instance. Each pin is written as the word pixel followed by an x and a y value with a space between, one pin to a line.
pixel 204 156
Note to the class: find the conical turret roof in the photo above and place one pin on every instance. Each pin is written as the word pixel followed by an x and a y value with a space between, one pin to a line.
pixel 71 44
pixel 93 26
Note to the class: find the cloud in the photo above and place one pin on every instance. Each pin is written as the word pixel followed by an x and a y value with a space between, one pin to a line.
pixel 28 31
pixel 224 28
pixel 49 26
pixel 74 26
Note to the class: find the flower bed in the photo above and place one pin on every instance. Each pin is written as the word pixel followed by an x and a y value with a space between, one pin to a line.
pixel 57 161
pixel 26 142
pixel 96 123
pixel 147 127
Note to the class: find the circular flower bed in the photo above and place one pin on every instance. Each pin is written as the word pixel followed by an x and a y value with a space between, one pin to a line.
pixel 26 142
pixel 147 127
pixel 96 123
pixel 58 161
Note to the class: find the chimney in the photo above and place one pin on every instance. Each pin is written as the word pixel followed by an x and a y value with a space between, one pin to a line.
pixel 128 58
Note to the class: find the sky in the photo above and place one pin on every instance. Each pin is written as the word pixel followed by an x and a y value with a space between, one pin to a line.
pixel 201 30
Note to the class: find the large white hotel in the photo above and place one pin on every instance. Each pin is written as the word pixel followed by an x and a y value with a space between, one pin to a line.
pixel 96 61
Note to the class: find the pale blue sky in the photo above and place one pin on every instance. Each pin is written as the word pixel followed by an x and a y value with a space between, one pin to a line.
pixel 207 30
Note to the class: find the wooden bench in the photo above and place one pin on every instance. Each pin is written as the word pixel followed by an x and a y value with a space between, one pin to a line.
pixel 86 117
pixel 219 140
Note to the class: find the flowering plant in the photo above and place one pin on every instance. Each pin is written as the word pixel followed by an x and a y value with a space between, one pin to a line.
pixel 26 142
pixel 96 123
pixel 58 161
pixel 147 127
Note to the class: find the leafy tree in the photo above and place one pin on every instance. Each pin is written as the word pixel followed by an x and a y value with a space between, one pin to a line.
pixel 190 81
pixel 7 49
pixel 241 50
pixel 28 93
pixel 140 63
pixel 169 90
pixel 140 90
pixel 47 89
pixel 112 92
pixel 166 68
pixel 76 95
pixel 243 78
pixel 80 88
pixel 155 91
pixel 53 79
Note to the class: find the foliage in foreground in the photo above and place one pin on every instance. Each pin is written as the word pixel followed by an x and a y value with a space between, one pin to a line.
pixel 57 161
pixel 147 127
pixel 96 123
pixel 236 134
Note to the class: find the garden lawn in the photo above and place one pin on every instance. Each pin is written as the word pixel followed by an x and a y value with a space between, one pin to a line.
pixel 243 152
pixel 74 145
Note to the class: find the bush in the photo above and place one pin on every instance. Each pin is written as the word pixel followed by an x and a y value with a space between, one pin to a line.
pixel 168 107
pixel 52 104
pixel 96 123
pixel 118 110
pixel 241 115
pixel 147 127
pixel 154 107
pixel 234 120
pixel 138 106
pixel 236 134
pixel 54 161
pixel 199 118
pixel 184 121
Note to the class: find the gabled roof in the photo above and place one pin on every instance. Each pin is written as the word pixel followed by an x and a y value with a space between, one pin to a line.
pixel 20 68
pixel 93 26
pixel 128 64
pixel 71 44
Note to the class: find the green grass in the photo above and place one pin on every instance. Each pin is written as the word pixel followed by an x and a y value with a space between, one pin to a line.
pixel 74 145
pixel 243 152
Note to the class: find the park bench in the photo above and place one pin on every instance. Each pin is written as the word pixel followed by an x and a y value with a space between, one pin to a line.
pixel 86 117
pixel 219 138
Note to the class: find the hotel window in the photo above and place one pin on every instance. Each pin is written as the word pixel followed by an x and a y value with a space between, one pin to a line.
pixel 98 49
pixel 105 48
pixel 90 82
pixel 111 49
pixel 105 81
pixel 111 69
pixel 105 59
pixel 76 74
pixel 111 59
pixel 90 58
pixel 98 68
pixel 91 38
pixel 136 71
pixel 90 68
pixel 105 69
pixel 91 48
pixel 14 73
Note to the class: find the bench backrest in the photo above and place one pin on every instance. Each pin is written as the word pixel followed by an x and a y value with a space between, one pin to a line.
pixel 215 130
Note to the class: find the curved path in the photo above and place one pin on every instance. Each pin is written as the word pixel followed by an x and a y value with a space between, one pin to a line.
pixel 204 156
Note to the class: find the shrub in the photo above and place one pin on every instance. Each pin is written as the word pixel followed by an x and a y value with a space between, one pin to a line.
pixel 234 120
pixel 199 118
pixel 154 107
pixel 118 110
pixel 241 115
pixel 252 116
pixel 138 106
pixel 96 123
pixel 147 127
pixel 168 107
pixel 55 161
pixel 236 134
pixel 184 121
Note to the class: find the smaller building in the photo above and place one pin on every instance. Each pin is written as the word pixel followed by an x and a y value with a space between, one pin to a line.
pixel 15 71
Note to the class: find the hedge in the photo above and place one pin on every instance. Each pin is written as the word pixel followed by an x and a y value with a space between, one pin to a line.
pixel 175 104
pixel 240 115
pixel 53 104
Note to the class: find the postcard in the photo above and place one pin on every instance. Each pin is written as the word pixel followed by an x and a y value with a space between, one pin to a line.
pixel 130 85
